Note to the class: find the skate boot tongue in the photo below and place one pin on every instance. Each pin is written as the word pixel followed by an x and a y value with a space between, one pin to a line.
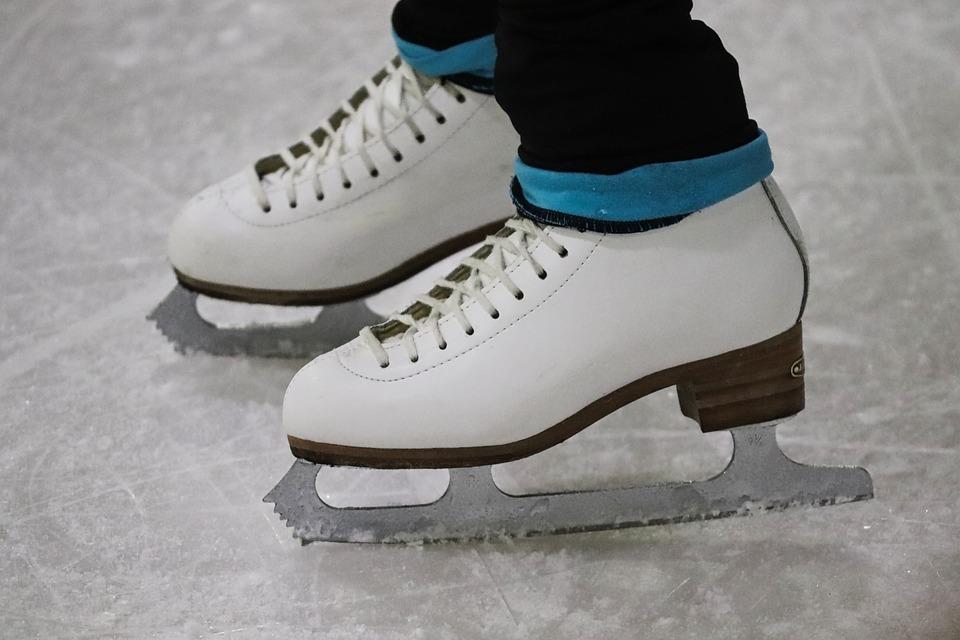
pixel 486 267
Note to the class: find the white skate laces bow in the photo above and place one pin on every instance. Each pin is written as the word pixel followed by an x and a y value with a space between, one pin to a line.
pixel 485 267
pixel 391 96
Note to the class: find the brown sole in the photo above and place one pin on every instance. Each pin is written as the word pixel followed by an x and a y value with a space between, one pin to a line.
pixel 337 295
pixel 759 383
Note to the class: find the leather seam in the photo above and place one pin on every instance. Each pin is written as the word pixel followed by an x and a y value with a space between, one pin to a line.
pixel 410 167
pixel 488 339
pixel 804 264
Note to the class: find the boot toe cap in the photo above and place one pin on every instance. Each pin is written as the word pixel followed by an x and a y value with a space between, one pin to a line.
pixel 313 406
pixel 197 235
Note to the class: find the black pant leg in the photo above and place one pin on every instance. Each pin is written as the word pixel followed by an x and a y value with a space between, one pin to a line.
pixel 602 86
pixel 439 24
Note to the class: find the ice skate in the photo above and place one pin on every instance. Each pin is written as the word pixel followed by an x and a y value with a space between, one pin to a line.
pixel 387 186
pixel 541 333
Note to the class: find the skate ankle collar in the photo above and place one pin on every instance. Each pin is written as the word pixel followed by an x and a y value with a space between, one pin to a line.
pixel 642 198
pixel 472 59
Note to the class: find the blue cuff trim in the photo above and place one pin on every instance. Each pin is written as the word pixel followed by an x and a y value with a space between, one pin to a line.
pixel 476 57
pixel 649 191
pixel 560 219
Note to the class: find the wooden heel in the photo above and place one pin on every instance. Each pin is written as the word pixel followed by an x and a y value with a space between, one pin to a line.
pixel 756 384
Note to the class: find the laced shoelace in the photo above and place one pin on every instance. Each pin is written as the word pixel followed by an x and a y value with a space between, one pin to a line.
pixel 498 253
pixel 398 94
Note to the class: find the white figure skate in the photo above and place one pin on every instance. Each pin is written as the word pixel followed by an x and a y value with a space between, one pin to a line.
pixel 389 185
pixel 540 334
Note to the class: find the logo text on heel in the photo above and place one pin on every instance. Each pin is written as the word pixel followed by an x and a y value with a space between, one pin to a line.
pixel 797 369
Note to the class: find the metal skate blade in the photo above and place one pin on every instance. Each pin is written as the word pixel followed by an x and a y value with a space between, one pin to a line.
pixel 759 477
pixel 179 320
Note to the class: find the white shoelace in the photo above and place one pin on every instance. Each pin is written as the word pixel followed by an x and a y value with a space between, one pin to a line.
pixel 394 99
pixel 486 266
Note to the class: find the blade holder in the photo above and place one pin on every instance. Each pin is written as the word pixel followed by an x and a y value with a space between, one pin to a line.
pixel 179 320
pixel 759 477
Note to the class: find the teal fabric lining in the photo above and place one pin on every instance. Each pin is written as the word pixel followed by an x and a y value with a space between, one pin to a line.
pixel 477 57
pixel 649 191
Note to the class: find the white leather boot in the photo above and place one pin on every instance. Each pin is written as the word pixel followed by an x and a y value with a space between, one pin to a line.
pixel 548 329
pixel 410 170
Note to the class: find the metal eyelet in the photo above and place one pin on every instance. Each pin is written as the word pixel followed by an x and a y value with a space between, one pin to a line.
pixel 495 314
pixel 542 275
pixel 563 252
pixel 519 295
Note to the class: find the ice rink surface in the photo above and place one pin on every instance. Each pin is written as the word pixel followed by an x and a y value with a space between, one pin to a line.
pixel 131 477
